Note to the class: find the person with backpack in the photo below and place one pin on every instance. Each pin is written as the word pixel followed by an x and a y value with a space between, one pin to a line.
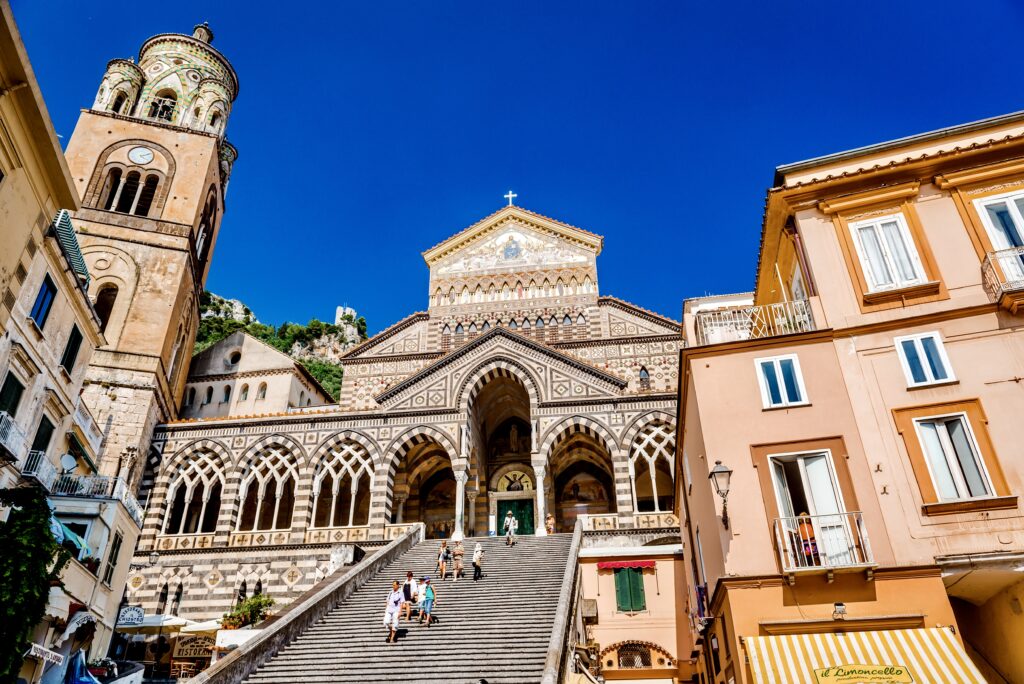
pixel 510 527
pixel 458 553
pixel 392 609
pixel 443 555
pixel 409 593
pixel 429 599
pixel 478 559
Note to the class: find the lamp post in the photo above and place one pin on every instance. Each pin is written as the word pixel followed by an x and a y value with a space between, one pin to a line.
pixel 720 477
pixel 154 558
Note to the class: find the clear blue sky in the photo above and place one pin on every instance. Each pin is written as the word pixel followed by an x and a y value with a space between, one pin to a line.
pixel 369 131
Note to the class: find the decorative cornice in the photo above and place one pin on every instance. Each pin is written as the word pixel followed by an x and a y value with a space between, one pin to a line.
pixel 603 341
pixel 623 305
pixel 386 333
pixel 195 42
pixel 885 195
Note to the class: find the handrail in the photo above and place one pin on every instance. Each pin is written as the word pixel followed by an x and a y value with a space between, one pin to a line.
pixel 753 322
pixel 555 662
pixel 302 614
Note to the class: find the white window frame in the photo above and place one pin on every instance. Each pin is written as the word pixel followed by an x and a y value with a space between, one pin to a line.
pixel 908 238
pixel 766 400
pixel 905 363
pixel 957 479
pixel 1004 198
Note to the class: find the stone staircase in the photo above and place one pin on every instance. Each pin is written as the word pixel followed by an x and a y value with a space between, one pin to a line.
pixel 498 629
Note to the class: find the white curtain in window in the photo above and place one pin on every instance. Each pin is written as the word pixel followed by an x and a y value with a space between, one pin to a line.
pixel 937 462
pixel 872 248
pixel 895 240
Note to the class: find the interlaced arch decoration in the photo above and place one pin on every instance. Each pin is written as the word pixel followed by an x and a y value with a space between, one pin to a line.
pixel 195 493
pixel 343 473
pixel 634 653
pixel 656 441
pixel 267 492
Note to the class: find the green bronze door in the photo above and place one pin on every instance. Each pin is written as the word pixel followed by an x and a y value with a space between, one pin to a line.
pixel 522 509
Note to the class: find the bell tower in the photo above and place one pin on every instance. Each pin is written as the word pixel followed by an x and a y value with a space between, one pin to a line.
pixel 151 162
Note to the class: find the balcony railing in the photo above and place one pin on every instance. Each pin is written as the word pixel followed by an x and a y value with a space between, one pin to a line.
pixel 99 487
pixel 85 421
pixel 1003 271
pixel 823 542
pixel 752 322
pixel 38 467
pixel 12 439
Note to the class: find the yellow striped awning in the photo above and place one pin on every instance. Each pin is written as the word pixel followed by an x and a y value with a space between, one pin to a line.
pixel 898 656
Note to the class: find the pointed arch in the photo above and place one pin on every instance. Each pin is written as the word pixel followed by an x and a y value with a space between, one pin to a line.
pixel 500 366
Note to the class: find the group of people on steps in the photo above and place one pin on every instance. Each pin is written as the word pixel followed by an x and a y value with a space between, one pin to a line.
pixel 420 595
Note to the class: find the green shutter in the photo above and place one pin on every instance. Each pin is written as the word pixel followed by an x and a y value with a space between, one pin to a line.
pixel 636 589
pixel 44 433
pixel 10 395
pixel 622 589
pixel 71 349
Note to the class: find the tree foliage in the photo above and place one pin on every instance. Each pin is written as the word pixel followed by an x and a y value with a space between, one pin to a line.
pixel 30 562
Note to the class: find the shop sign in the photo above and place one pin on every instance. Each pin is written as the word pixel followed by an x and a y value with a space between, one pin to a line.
pixel 859 674
pixel 193 647
pixel 130 616
pixel 46 655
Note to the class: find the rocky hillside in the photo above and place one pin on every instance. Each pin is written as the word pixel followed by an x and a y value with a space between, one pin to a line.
pixel 316 345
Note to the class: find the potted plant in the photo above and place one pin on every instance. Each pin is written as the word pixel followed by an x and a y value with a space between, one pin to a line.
pixel 249 612
pixel 91 563
pixel 231 621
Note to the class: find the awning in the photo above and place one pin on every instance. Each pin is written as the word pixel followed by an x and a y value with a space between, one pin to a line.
pixel 615 565
pixel 71 536
pixel 899 656
pixel 157 624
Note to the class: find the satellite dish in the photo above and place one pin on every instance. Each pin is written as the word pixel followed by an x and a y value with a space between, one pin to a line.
pixel 68 462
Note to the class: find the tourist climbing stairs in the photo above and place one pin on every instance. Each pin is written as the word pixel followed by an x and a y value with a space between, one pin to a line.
pixel 497 630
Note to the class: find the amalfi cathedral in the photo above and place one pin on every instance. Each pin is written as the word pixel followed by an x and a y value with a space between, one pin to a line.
pixel 529 478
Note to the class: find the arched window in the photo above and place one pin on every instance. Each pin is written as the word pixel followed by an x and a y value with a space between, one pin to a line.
pixel 458 329
pixel 244 393
pixel 506 293
pixel 258 589
pixel 146 195
pixel 512 325
pixel 268 491
pixel 559 288
pixel 191 396
pixel 574 286
pixel 302 397
pixel 634 655
pixel 540 322
pixel 127 193
pixel 341 487
pixel 110 188
pixel 194 493
pixel 446 330
pixel 162 106
pixel 472 328
pixel 119 101
pixel 215 119
pixel 464 297
pixel 485 327
pixel 546 291
pixel 243 591
pixel 653 468
pixel 478 294
pixel 437 297
pixel 227 394
pixel 519 290
pixel 261 393
pixel 526 324
pixel 588 286
pixel 581 320
pixel 566 320
pixel 531 291
pixel 161 602
pixel 209 395
pixel 645 378
pixel 176 602
pixel 104 304
pixel 451 295
pixel 553 322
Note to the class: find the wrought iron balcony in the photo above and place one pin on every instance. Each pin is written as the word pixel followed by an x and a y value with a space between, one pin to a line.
pixel 87 424
pixel 12 439
pixel 38 467
pixel 752 322
pixel 823 542
pixel 1003 275
pixel 99 487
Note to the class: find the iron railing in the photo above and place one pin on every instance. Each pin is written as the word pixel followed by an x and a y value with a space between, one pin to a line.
pixel 12 439
pixel 823 542
pixel 1003 271
pixel 38 467
pixel 752 322
pixel 100 487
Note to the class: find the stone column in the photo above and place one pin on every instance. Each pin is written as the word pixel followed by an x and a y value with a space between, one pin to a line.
pixel 400 508
pixel 539 472
pixel 461 478
pixel 472 494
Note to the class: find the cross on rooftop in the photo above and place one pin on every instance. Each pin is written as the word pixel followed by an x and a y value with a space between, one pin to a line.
pixel 510 196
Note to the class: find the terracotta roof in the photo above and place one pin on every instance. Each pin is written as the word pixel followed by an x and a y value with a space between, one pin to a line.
pixel 487 218
pixel 647 313
pixel 387 332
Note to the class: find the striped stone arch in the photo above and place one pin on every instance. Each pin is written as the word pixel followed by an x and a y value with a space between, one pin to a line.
pixel 654 416
pixel 382 492
pixel 293 445
pixel 498 367
pixel 230 503
pixel 572 425
pixel 156 510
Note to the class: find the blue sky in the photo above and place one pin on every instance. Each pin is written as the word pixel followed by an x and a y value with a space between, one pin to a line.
pixel 368 132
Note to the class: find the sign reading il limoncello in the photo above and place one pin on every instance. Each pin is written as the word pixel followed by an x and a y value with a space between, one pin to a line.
pixel 864 674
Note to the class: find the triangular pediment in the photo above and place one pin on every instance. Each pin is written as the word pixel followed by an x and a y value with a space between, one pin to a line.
pixel 513 239
pixel 554 376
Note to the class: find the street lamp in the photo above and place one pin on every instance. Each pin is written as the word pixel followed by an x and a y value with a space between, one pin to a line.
pixel 720 477
pixel 154 558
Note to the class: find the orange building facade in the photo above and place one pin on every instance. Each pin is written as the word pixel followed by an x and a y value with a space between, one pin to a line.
pixel 862 420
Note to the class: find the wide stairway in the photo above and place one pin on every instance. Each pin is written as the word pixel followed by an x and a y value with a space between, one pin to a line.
pixel 497 629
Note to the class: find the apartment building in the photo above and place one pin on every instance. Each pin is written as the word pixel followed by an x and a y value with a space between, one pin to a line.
pixel 848 442
pixel 49 329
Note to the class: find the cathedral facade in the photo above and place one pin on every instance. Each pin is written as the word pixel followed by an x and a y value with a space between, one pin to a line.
pixel 521 388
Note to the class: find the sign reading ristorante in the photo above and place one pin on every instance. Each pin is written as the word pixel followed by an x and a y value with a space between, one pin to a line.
pixel 864 674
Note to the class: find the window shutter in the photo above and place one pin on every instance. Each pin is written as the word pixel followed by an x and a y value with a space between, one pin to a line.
pixel 636 590
pixel 10 395
pixel 622 593
pixel 71 350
